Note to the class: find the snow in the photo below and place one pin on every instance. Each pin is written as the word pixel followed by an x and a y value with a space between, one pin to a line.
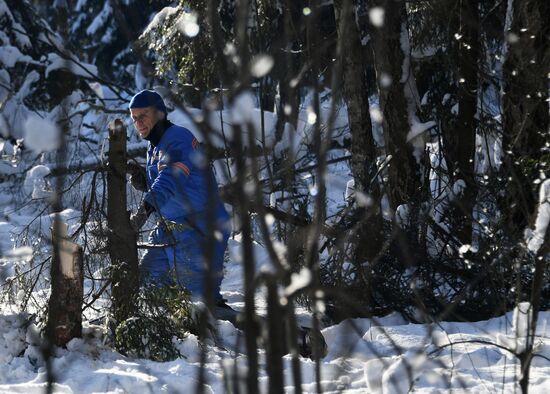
pixel 35 183
pixel 509 13
pixel 376 16
pixel 100 20
pixel 521 322
pixel 10 55
pixel 406 72
pixel 15 111
pixel 402 214
pixel 97 88
pixel 57 62
pixel 385 80
pixel 159 19
pixel 5 10
pixel 41 135
pixel 188 25
pixel 378 355
pixel 242 109
pixel 311 116
pixel 376 114
pixel 21 36
pixel 543 218
pixel 22 253
pixel 140 78
pixel 244 112
pixel 80 4
pixel 384 355
pixel 400 376
pixel 298 281
pixel 458 189
pixel 417 129
pixel 261 65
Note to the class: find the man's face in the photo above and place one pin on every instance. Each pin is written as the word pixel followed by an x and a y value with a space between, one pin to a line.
pixel 144 119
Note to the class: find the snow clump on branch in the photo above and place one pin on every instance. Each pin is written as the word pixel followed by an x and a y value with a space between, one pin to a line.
pixel 41 135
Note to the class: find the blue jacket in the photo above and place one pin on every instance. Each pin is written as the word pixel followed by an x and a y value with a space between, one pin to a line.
pixel 182 186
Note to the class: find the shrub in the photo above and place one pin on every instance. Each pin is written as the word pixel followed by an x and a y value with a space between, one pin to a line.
pixel 162 314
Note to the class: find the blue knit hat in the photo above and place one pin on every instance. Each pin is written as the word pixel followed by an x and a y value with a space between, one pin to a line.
pixel 148 98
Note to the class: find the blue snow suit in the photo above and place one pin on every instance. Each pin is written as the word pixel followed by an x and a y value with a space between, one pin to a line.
pixel 183 191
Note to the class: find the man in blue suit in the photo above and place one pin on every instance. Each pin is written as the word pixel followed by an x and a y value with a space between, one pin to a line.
pixel 181 190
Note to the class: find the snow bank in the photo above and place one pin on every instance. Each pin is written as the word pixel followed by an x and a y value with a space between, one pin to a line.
pixel 382 356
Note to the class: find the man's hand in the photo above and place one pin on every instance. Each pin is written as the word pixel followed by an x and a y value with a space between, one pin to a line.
pixel 138 219
pixel 137 176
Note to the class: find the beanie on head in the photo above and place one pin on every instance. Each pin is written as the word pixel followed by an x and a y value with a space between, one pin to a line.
pixel 148 98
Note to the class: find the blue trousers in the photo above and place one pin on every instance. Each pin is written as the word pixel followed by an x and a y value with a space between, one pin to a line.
pixel 183 261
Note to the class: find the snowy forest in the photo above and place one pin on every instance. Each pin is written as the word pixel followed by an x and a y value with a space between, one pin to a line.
pixel 383 162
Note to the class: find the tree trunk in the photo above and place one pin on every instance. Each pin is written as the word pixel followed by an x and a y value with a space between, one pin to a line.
pixel 525 108
pixel 122 238
pixel 540 251
pixel 242 211
pixel 275 338
pixel 67 277
pixel 460 139
pixel 394 76
pixel 288 104
pixel 363 161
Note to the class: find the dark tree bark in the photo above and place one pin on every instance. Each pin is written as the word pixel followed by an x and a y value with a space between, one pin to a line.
pixel 363 150
pixel 67 276
pixel 242 210
pixel 275 341
pixel 460 139
pixel 122 238
pixel 404 173
pixel 525 108
pixel 288 106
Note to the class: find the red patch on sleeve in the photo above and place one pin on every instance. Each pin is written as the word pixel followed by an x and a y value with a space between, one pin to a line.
pixel 182 167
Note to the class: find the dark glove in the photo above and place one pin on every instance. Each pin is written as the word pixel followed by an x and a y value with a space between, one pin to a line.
pixel 138 219
pixel 137 176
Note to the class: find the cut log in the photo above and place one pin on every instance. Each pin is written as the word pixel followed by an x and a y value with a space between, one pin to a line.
pixel 67 276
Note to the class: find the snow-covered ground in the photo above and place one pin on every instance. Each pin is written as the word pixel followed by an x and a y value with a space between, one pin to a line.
pixel 384 355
